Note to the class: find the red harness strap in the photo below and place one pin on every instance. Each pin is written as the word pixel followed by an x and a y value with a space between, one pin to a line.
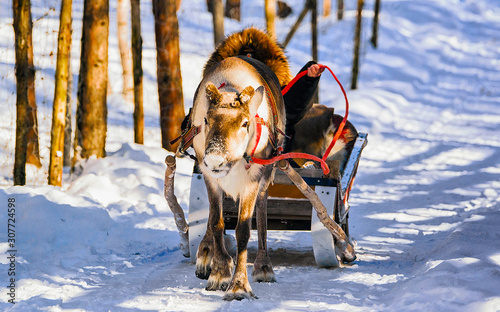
pixel 344 120
pixel 259 122
pixel 188 136
pixel 258 133
pixel 324 166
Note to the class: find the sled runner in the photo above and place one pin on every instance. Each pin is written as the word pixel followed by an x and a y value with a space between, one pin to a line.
pixel 288 208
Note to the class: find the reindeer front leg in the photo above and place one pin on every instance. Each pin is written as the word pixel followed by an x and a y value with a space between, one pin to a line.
pixel 240 287
pixel 221 264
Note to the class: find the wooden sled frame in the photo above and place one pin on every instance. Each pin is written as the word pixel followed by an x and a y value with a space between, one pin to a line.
pixel 286 213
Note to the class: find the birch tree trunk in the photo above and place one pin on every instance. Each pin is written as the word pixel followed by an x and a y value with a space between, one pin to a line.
pixel 122 9
pixel 168 71
pixel 60 95
pixel 91 114
pixel 137 71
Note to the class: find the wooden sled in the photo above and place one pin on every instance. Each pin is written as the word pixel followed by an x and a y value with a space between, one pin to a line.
pixel 290 209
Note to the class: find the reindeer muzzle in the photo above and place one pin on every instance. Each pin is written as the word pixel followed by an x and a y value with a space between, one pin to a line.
pixel 216 164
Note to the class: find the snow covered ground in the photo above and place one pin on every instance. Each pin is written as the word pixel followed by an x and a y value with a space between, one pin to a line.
pixel 425 204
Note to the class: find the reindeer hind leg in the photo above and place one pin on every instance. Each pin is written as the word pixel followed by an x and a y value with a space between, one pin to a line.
pixel 262 267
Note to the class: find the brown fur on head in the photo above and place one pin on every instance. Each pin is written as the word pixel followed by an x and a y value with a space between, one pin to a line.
pixel 227 126
pixel 315 131
pixel 257 44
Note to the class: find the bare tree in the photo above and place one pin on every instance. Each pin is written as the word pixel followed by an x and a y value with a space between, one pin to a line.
pixel 357 45
pixel 340 9
pixel 122 9
pixel 68 127
pixel 283 9
pixel 270 11
pixel 137 70
pixel 217 9
pixel 168 71
pixel 314 38
pixel 375 23
pixel 60 95
pixel 91 114
pixel 314 29
pixel 327 7
pixel 22 29
pixel 233 9
pixel 33 147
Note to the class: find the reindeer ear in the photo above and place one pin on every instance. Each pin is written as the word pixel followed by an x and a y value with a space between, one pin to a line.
pixel 213 94
pixel 246 95
pixel 256 100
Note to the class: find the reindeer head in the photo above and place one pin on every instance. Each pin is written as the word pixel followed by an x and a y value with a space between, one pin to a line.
pixel 228 127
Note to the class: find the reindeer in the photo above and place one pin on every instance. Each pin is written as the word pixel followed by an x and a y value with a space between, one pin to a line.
pixel 239 111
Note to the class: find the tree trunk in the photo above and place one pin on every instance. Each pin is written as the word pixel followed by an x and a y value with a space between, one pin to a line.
pixel 314 38
pixel 137 70
pixel 60 95
pixel 33 148
pixel 91 114
pixel 168 71
pixel 340 9
pixel 22 28
pixel 295 26
pixel 270 12
pixel 69 112
pixel 122 9
pixel 314 29
pixel 375 23
pixel 327 7
pixel 218 21
pixel 233 9
pixel 283 9
pixel 357 44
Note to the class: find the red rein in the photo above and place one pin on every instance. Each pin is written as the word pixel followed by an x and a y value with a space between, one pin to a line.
pixel 324 166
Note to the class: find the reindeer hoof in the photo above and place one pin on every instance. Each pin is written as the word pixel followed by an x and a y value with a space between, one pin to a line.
pixel 221 284
pixel 203 264
pixel 221 274
pixel 203 273
pixel 239 296
pixel 263 274
pixel 219 280
pixel 263 269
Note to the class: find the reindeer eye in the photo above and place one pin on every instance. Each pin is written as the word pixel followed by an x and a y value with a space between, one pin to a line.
pixel 206 121
pixel 245 124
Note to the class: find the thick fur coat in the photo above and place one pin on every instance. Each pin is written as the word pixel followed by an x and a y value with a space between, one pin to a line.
pixel 257 44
